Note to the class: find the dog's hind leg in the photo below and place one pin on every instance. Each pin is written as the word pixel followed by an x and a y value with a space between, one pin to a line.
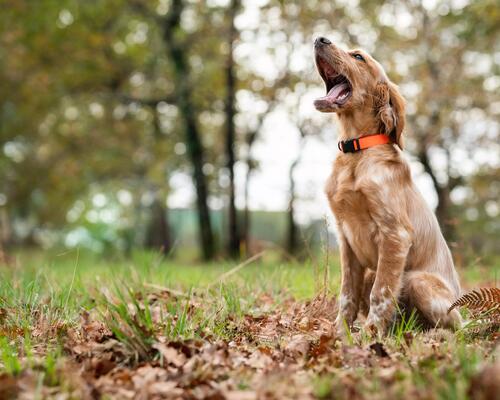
pixel 432 297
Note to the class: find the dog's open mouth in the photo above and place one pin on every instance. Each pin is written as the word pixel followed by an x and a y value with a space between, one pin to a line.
pixel 338 88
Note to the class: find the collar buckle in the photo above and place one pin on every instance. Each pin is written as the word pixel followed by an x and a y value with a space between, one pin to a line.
pixel 349 146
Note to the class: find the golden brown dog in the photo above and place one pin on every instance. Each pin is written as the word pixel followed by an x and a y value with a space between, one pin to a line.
pixel 391 246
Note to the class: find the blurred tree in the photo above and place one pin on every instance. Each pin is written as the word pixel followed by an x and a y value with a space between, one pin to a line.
pixel 125 96
pixel 176 43
pixel 179 44
pixel 307 129
pixel 437 123
pixel 267 93
pixel 477 211
pixel 287 30
pixel 70 134
pixel 230 109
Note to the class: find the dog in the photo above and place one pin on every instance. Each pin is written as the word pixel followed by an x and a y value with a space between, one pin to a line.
pixel 391 247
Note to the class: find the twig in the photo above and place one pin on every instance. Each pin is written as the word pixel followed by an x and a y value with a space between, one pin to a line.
pixel 236 269
pixel 165 289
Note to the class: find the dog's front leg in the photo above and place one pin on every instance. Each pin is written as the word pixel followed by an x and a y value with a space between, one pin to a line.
pixel 351 286
pixel 393 249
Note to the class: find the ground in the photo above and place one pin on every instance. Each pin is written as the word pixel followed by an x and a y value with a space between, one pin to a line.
pixel 79 326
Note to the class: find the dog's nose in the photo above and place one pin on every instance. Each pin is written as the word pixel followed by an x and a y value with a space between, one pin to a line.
pixel 321 41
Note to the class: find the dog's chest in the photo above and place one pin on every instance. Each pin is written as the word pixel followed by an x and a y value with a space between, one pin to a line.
pixel 350 208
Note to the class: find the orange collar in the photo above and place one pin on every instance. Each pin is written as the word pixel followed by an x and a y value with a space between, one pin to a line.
pixel 354 145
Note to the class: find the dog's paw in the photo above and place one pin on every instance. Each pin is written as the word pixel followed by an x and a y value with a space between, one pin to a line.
pixel 374 326
pixel 342 327
pixel 371 329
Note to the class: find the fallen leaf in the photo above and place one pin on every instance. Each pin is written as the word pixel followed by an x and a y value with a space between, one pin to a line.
pixel 8 387
pixel 387 374
pixel 102 367
pixel 241 395
pixel 324 345
pixel 298 346
pixel 259 360
pixel 165 388
pixel 486 384
pixel 170 355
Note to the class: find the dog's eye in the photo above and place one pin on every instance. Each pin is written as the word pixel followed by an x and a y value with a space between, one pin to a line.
pixel 358 57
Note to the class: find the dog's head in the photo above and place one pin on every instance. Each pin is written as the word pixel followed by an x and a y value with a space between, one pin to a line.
pixel 355 81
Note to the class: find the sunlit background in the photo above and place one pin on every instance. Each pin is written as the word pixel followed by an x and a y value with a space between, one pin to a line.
pixel 187 127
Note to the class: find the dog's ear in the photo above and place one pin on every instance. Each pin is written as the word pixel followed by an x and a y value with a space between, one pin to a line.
pixel 390 107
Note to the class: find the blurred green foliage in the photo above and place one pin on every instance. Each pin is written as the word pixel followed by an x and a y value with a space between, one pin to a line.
pixel 86 106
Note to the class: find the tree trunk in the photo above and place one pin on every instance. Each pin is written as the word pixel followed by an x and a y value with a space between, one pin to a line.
pixel 158 235
pixel 292 239
pixel 5 235
pixel 251 165
pixel 233 244
pixel 183 95
pixel 293 230
pixel 443 213
pixel 247 222
pixel 443 209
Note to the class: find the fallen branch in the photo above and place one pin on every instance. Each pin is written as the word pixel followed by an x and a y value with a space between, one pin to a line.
pixel 166 289
pixel 236 269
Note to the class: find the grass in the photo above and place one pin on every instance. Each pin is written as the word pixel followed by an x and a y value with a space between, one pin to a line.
pixel 79 312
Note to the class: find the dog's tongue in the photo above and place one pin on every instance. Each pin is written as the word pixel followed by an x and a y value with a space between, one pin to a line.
pixel 339 90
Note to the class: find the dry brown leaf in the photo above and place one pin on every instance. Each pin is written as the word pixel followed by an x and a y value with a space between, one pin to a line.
pixel 323 346
pixel 170 355
pixel 241 395
pixel 486 384
pixel 298 346
pixel 388 374
pixel 165 388
pixel 8 387
pixel 259 360
pixel 102 367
